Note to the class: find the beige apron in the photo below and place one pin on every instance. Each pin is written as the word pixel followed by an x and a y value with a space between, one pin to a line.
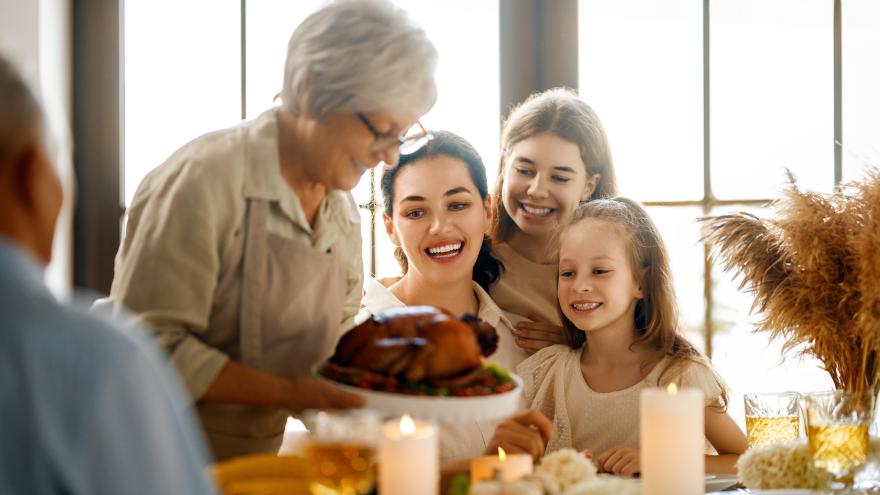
pixel 279 312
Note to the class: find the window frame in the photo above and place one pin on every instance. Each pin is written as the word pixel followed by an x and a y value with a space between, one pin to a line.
pixel 536 53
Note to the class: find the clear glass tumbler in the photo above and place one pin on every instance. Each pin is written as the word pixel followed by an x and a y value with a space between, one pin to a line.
pixel 837 430
pixel 342 446
pixel 772 417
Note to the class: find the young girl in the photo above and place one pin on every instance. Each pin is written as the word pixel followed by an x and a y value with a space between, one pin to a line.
pixel 437 209
pixel 621 322
pixel 554 156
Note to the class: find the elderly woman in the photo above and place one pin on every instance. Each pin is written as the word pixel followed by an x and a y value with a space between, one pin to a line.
pixel 242 251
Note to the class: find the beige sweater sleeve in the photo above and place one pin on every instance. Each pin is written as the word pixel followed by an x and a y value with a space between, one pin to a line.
pixel 169 261
pixel 525 287
pixel 701 377
pixel 545 374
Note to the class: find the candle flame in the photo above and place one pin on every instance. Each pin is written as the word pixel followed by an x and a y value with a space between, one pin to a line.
pixel 502 456
pixel 671 389
pixel 407 425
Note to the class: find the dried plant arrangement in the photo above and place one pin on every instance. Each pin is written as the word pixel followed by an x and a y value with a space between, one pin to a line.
pixel 814 271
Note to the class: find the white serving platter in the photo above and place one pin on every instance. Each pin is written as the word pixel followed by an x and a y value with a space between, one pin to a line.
pixel 446 409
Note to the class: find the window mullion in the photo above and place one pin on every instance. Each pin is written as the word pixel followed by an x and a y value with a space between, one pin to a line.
pixel 243 34
pixel 838 94
pixel 707 181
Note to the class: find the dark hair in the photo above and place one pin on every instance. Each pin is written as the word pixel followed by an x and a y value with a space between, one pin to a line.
pixel 486 268
pixel 656 314
pixel 558 111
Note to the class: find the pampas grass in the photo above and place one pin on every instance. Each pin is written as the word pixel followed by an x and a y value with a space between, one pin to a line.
pixel 814 270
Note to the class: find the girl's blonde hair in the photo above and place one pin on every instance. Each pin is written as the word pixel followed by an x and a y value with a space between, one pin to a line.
pixel 656 315
pixel 558 111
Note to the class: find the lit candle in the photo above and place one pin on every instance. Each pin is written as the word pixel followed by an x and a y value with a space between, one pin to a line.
pixel 672 441
pixel 510 467
pixel 409 459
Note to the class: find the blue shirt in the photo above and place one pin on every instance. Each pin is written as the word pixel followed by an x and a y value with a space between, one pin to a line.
pixel 86 406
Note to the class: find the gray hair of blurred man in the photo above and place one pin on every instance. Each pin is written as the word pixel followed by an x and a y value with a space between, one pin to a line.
pixel 21 116
pixel 359 56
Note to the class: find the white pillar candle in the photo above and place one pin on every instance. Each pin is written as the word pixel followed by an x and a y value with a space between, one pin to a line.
pixel 409 459
pixel 510 467
pixel 672 441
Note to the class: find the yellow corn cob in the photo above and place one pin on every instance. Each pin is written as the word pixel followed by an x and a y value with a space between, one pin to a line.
pixel 267 486
pixel 261 466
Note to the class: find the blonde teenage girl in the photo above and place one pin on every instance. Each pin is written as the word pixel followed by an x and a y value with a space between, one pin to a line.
pixel 554 155
pixel 621 322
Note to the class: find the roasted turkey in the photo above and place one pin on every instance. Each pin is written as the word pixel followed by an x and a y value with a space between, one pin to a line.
pixel 415 344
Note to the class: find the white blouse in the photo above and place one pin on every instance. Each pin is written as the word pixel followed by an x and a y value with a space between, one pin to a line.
pixel 459 440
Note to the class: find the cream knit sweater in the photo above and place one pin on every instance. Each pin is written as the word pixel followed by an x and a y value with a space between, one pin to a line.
pixel 586 419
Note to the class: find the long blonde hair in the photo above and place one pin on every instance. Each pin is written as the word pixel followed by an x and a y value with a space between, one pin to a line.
pixel 560 112
pixel 656 318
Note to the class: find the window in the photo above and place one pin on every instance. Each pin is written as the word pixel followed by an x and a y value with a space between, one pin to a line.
pixel 705 103
pixel 772 96
pixel 768 68
pixel 181 78
pixel 861 78
pixel 199 77
pixel 640 69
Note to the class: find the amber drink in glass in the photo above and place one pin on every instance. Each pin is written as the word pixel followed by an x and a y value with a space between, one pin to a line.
pixel 772 418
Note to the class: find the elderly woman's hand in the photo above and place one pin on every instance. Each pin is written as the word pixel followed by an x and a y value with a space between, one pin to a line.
pixel 534 335
pixel 309 393
pixel 527 432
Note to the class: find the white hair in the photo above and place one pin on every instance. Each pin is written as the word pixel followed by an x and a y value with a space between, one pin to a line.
pixel 359 56
pixel 21 116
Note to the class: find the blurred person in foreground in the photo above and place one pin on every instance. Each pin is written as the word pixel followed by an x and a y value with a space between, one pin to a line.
pixel 86 407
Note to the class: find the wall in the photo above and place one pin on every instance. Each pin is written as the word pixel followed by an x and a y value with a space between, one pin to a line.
pixel 36 35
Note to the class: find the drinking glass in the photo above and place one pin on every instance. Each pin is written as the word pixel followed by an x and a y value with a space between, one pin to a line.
pixel 342 446
pixel 772 417
pixel 837 431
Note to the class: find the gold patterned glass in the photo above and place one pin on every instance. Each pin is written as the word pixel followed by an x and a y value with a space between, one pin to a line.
pixel 837 430
pixel 342 447
pixel 772 417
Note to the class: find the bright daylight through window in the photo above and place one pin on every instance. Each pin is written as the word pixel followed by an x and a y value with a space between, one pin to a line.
pixel 771 106
pixel 644 66
pixel 205 92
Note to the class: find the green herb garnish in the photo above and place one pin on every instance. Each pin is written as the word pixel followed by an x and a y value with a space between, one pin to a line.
pixel 501 375
pixel 460 485
pixel 423 389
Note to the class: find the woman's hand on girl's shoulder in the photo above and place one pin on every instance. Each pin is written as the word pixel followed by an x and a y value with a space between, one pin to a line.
pixel 620 460
pixel 534 334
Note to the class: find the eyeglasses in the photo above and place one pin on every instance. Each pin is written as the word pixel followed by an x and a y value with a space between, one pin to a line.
pixel 409 141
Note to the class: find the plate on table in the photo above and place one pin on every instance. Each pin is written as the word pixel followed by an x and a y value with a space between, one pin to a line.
pixel 715 482
pixel 447 409
pixel 785 491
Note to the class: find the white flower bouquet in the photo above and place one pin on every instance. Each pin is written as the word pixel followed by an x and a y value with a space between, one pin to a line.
pixel 788 465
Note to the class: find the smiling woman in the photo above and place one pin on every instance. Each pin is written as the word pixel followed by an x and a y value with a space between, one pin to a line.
pixel 554 156
pixel 437 209
pixel 437 218
pixel 545 180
